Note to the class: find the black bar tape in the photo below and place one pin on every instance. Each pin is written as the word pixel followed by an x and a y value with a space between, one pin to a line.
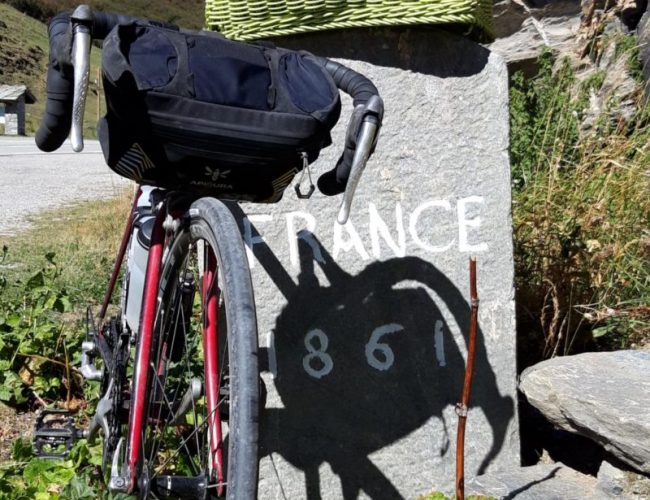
pixel 350 82
pixel 360 89
pixel 57 117
pixel 104 22
pixel 334 181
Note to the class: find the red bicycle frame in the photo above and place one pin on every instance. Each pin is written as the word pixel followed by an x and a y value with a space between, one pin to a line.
pixel 139 393
pixel 210 297
pixel 142 361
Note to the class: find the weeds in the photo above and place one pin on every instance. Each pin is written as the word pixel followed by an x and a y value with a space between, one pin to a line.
pixel 581 212
pixel 76 478
pixel 436 495
pixel 34 358
pixel 47 276
pixel 42 296
pixel 84 238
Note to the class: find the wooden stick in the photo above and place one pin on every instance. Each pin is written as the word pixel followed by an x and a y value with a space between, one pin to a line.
pixel 461 408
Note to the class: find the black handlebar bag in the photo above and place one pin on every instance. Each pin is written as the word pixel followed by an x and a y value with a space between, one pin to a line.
pixel 194 111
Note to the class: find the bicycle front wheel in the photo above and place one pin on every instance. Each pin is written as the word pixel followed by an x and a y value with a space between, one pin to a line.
pixel 204 383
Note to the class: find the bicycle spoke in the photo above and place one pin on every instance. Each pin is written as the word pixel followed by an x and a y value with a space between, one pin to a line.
pixel 190 385
pixel 184 443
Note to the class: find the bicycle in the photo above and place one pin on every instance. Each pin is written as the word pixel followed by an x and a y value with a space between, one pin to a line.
pixel 178 364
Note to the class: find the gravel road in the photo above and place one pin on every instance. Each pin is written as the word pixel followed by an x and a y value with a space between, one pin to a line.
pixel 31 181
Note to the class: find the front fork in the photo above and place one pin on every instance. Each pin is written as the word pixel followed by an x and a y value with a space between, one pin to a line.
pixel 125 480
pixel 210 299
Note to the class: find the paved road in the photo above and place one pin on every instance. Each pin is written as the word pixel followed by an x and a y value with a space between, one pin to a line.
pixel 31 181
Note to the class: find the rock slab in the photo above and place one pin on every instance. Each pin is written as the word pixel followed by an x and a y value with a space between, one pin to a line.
pixel 362 327
pixel 538 482
pixel 643 32
pixel 604 396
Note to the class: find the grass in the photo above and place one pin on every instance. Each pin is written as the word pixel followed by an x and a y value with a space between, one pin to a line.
pixel 23 60
pixel 84 239
pixel 581 212
pixel 47 276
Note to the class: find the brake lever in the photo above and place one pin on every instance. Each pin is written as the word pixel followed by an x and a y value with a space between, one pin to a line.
pixel 365 146
pixel 82 20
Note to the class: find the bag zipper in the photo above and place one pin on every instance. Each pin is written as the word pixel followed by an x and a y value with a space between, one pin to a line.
pixel 221 137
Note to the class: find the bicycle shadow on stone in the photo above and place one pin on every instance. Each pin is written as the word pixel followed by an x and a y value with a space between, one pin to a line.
pixel 364 362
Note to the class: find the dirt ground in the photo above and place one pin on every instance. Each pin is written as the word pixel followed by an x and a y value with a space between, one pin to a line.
pixel 13 425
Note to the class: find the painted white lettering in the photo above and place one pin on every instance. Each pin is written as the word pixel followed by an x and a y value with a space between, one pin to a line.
pixel 464 223
pixel 413 222
pixel 354 241
pixel 378 226
pixel 251 240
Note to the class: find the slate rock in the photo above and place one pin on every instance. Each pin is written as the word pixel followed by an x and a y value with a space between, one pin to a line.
pixel 603 396
pixel 342 420
pixel 523 32
pixel 643 32
pixel 538 482
pixel 611 480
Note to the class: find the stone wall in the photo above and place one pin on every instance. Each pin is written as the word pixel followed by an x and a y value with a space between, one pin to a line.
pixel 363 326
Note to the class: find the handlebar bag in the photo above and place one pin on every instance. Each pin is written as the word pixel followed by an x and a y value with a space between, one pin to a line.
pixel 194 111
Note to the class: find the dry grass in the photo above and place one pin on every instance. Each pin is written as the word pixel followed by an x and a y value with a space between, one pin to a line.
pixel 84 239
pixel 581 213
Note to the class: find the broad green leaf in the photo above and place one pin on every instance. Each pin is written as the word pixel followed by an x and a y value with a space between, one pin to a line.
pixel 50 301
pixel 5 394
pixel 79 489
pixel 35 469
pixel 14 320
pixel 44 495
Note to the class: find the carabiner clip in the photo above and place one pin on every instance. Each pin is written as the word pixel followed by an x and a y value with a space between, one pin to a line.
pixel 312 188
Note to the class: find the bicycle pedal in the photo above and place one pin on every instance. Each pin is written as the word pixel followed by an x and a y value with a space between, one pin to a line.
pixel 54 434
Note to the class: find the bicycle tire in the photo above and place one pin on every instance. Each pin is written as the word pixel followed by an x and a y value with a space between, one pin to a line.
pixel 204 473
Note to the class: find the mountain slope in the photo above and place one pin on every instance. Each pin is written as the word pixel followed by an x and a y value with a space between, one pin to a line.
pixel 23 59
pixel 185 13
pixel 24 46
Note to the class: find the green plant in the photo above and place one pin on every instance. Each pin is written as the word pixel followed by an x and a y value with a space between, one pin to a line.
pixel 36 338
pixel 580 212
pixel 628 46
pixel 47 275
pixel 75 478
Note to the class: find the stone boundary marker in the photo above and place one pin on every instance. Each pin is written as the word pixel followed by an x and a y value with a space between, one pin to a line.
pixel 362 327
